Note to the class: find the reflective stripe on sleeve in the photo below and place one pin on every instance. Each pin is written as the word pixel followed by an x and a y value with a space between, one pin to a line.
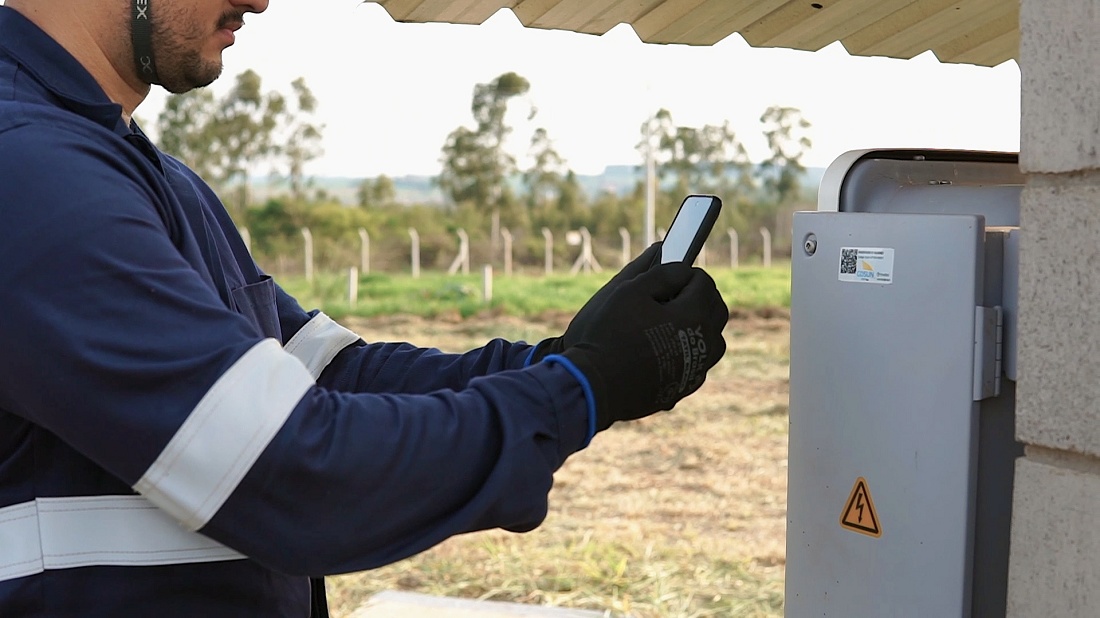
pixel 22 554
pixel 63 533
pixel 318 342
pixel 225 434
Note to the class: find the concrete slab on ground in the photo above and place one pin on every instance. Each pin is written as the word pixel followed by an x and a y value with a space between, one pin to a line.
pixel 393 604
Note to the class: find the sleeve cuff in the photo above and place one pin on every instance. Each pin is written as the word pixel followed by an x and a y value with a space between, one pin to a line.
pixel 586 387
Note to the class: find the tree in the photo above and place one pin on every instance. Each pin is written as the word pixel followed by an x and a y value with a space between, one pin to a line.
pixel 698 159
pixel 708 159
pixel 222 139
pixel 185 130
pixel 729 169
pixel 571 200
pixel 475 164
pixel 243 128
pixel 378 193
pixel 303 136
pixel 784 128
pixel 545 176
pixel 467 168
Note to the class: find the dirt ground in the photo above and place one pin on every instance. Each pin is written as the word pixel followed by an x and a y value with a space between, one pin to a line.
pixel 678 497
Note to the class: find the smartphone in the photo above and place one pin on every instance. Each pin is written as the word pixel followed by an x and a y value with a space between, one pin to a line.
pixel 690 228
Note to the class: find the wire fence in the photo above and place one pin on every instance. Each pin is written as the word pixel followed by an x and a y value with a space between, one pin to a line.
pixel 550 252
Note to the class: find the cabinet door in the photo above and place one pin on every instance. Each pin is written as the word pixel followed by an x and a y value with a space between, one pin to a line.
pixel 883 422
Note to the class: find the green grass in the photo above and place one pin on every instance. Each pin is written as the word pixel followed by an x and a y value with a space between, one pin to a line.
pixel 438 294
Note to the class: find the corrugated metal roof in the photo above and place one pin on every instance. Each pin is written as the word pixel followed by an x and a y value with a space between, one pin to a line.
pixel 983 32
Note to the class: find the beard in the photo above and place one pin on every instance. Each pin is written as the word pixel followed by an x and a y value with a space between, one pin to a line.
pixel 178 41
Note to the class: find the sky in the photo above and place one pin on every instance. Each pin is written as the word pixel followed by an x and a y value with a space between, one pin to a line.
pixel 390 93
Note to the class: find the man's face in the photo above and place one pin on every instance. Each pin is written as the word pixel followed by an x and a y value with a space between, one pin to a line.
pixel 190 35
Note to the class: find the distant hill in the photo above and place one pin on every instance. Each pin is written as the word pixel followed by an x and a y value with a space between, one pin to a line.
pixel 412 189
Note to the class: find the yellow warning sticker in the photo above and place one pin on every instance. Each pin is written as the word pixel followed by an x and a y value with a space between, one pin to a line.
pixel 859 513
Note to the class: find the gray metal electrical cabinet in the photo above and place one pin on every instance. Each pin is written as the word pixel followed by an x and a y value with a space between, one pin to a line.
pixel 901 412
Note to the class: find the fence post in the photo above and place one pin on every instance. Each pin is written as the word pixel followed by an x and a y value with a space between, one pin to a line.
pixel 308 251
pixel 364 251
pixel 507 235
pixel 549 251
pixel 586 260
pixel 588 251
pixel 415 252
pixel 462 260
pixel 487 282
pixel 767 246
pixel 494 226
pixel 734 248
pixel 625 236
pixel 353 286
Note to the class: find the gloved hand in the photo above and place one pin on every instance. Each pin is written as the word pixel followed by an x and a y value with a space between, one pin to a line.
pixel 649 342
pixel 555 345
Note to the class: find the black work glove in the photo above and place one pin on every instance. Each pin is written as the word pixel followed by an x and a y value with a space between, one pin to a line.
pixel 555 345
pixel 650 342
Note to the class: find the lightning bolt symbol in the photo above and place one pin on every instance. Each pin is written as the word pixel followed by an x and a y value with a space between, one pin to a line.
pixel 859 505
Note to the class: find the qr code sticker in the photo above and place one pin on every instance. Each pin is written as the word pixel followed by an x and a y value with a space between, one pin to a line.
pixel 848 261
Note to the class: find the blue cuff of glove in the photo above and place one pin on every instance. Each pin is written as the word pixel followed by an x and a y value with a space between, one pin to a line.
pixel 586 387
pixel 530 356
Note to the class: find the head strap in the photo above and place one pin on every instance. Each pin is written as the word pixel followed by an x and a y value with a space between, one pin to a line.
pixel 141 35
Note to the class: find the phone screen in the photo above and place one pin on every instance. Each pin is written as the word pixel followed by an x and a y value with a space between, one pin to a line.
pixel 684 228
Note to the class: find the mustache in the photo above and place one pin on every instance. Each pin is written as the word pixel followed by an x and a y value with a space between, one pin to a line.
pixel 230 18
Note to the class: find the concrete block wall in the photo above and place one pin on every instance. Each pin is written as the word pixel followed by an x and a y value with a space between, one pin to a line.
pixel 1054 568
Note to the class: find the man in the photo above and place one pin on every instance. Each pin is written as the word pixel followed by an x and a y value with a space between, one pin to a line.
pixel 177 436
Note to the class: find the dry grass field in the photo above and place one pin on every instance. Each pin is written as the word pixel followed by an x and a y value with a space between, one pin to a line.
pixel 680 515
